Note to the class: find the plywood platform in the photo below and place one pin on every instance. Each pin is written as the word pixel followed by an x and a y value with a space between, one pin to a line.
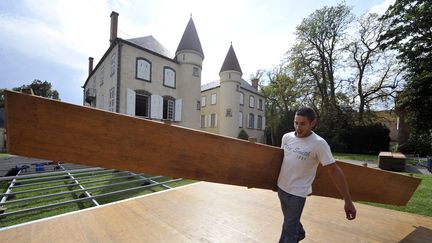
pixel 208 212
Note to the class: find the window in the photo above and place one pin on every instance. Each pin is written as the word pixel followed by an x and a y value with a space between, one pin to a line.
pixel 195 72
pixel 213 99
pixel 202 121
pixel 143 69
pixel 213 120
pixel 251 120
pixel 169 77
pixel 260 104
pixel 142 103
pixel 168 108
pixel 102 76
pixel 111 99
pixel 113 64
pixel 241 119
pixel 260 121
pixel 251 101
pixel 203 101
pixel 241 98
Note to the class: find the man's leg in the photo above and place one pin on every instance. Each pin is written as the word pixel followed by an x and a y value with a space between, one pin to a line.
pixel 292 207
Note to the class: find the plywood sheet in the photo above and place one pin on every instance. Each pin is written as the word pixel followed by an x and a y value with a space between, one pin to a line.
pixel 48 129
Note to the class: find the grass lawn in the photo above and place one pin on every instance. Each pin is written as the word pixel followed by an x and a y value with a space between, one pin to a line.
pixel 361 157
pixel 87 183
pixel 2 155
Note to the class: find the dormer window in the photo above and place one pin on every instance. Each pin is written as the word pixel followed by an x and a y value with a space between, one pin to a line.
pixel 169 77
pixel 143 69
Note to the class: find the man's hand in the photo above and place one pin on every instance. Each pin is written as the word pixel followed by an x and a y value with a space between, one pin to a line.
pixel 350 210
pixel 338 179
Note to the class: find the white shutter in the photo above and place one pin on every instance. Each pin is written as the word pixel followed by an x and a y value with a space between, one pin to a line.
pixel 256 122
pixel 130 102
pixel 178 110
pixel 247 120
pixel 263 123
pixel 208 120
pixel 156 106
pixel 216 120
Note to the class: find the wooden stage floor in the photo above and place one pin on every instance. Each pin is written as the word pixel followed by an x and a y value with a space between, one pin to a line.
pixel 208 212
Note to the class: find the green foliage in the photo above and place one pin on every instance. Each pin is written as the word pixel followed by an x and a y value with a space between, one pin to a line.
pixel 1 98
pixel 366 139
pixel 418 143
pixel 317 53
pixel 40 88
pixel 410 33
pixel 243 135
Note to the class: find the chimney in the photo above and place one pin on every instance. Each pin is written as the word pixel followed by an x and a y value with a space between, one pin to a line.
pixel 255 83
pixel 90 67
pixel 114 25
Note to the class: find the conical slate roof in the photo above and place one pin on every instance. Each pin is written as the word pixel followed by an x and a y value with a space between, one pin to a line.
pixel 190 39
pixel 231 62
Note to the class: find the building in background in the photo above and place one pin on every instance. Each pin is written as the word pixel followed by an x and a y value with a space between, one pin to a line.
pixel 231 104
pixel 141 78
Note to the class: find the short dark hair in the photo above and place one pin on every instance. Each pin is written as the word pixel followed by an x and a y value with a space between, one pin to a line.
pixel 308 112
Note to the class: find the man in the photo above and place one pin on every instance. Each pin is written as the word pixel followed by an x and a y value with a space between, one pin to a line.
pixel 303 150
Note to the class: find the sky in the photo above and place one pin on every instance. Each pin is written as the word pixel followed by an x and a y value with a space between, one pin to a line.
pixel 52 40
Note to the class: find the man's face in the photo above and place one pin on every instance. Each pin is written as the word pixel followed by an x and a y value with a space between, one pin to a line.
pixel 303 126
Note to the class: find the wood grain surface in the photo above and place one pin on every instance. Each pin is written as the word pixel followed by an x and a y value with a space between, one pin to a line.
pixel 209 212
pixel 53 130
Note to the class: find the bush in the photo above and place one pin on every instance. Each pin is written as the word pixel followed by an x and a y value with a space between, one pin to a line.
pixel 243 135
pixel 366 139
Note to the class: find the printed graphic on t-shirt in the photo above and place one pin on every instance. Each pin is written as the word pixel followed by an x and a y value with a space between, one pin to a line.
pixel 301 154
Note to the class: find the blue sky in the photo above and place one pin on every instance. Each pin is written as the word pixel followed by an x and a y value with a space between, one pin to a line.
pixel 52 40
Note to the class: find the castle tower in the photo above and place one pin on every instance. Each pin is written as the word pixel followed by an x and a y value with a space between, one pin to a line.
pixel 190 56
pixel 230 79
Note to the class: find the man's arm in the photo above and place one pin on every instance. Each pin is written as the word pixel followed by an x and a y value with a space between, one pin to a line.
pixel 338 179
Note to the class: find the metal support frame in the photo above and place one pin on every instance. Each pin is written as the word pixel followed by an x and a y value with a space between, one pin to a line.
pixel 84 199
pixel 80 186
pixel 75 191
pixel 5 196
pixel 8 178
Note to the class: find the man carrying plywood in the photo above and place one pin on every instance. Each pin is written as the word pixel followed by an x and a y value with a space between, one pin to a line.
pixel 303 151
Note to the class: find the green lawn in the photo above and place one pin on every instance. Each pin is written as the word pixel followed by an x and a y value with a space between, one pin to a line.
pixel 361 157
pixel 3 155
pixel 39 214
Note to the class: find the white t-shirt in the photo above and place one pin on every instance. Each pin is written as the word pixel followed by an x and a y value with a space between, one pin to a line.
pixel 301 158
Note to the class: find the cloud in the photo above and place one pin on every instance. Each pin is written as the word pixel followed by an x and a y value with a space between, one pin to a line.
pixel 381 8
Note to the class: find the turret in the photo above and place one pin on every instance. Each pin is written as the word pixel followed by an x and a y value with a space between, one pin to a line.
pixel 230 80
pixel 189 55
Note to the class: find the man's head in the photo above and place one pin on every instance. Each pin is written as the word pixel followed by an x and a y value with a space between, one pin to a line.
pixel 304 121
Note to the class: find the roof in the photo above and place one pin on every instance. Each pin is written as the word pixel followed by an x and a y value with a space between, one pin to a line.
pixel 190 39
pixel 150 43
pixel 231 62
pixel 243 84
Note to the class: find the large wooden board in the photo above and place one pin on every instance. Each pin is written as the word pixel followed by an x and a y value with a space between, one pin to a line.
pixel 48 129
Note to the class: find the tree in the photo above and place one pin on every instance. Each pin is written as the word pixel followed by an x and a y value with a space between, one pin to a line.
pixel 1 98
pixel 317 52
pixel 410 33
pixel 40 88
pixel 376 72
pixel 283 95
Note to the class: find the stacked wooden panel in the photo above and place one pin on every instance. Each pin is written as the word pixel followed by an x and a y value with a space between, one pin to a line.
pixel 48 129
